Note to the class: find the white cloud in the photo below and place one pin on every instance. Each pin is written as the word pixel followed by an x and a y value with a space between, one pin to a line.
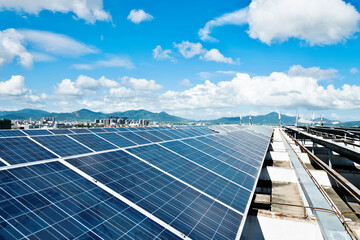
pixel 141 84
pixel 277 90
pixel 314 72
pixel 121 92
pixel 122 62
pixel 216 56
pixel 188 49
pixel 354 70
pixel 68 88
pixel 12 46
pixel 186 82
pixel 89 10
pixel 161 54
pixel 238 17
pixel 13 87
pixel 137 16
pixel 83 84
pixel 57 44
pixel 321 22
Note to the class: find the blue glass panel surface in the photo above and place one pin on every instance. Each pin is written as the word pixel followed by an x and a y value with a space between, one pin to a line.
pixel 80 130
pixel 204 180
pixel 62 145
pixel 53 202
pixel 37 132
pixel 242 178
pixel 11 133
pixel 134 137
pixel 184 208
pixel 94 142
pixel 149 136
pixel 117 139
pixel 21 150
pixel 60 131
pixel 96 130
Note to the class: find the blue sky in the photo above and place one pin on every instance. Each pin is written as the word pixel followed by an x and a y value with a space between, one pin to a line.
pixel 195 59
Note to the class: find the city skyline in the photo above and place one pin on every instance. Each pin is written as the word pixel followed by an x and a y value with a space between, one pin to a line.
pixel 201 60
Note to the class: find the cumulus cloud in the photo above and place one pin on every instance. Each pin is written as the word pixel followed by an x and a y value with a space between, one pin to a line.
pixel 161 54
pixel 55 43
pixel 141 84
pixel 314 72
pixel 123 62
pixel 138 16
pixel 321 22
pixel 12 46
pixel 238 17
pixel 188 49
pixel 83 84
pixel 89 10
pixel 13 87
pixel 277 90
pixel 186 82
pixel 354 70
pixel 28 46
pixel 216 56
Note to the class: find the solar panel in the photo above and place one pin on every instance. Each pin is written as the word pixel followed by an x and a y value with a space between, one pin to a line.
pixel 170 134
pixel 149 136
pixel 199 185
pixel 206 181
pixel 242 178
pixel 117 139
pixel 96 130
pixel 22 150
pixel 60 131
pixel 224 154
pixel 122 129
pixel 161 135
pixel 37 132
pixel 50 201
pixel 216 142
pixel 80 130
pixel 11 133
pixel 175 203
pixel 94 142
pixel 134 137
pixel 110 129
pixel 62 145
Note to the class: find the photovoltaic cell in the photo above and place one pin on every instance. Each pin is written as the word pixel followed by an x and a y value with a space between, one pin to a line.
pixel 50 201
pixel 182 207
pixel 110 129
pixel 134 137
pixel 96 130
pixel 170 134
pixel 149 136
pixel 122 129
pixel 60 131
pixel 94 142
pixel 161 135
pixel 204 180
pixel 117 139
pixel 211 163
pixel 80 130
pixel 37 132
pixel 11 133
pixel 22 150
pixel 62 145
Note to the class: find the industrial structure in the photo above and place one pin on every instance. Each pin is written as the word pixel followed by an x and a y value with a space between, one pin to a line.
pixel 199 182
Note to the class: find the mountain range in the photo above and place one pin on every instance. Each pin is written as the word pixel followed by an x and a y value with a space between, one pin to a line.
pixel 87 115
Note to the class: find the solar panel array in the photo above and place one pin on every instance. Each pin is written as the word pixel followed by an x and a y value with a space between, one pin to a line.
pixel 131 183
